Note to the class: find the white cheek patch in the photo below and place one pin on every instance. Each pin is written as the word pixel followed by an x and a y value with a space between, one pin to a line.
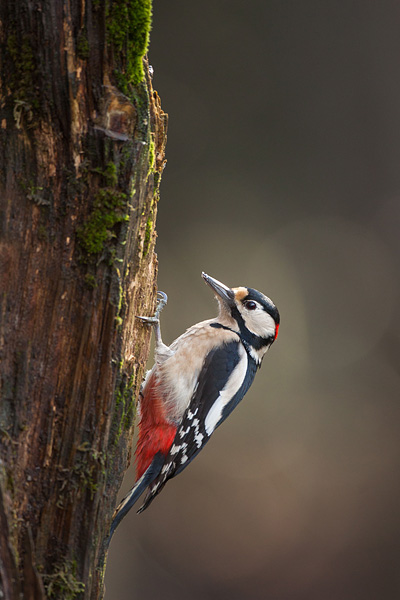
pixel 227 393
pixel 260 323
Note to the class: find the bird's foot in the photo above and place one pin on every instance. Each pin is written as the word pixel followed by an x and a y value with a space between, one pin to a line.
pixel 161 302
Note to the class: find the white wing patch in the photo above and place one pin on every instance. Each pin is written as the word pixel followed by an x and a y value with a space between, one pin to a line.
pixel 226 394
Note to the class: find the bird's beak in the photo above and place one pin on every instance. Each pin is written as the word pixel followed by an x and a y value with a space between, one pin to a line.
pixel 220 289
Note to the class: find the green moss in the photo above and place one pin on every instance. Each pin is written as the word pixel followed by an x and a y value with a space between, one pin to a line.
pixel 90 281
pixel 121 294
pixel 129 414
pixel 110 174
pixel 110 208
pixel 63 583
pixel 157 181
pixel 128 32
pixel 22 77
pixel 124 412
pixel 149 225
pixel 152 156
pixel 147 235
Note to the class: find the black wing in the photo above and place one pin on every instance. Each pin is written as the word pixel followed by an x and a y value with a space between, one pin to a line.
pixel 229 369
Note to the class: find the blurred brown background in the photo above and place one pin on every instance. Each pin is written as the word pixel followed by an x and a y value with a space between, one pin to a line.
pixel 283 174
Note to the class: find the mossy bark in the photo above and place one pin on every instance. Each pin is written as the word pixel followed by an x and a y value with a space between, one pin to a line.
pixel 82 138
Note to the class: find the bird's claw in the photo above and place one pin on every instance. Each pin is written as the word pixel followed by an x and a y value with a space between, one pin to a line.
pixel 150 320
pixel 162 300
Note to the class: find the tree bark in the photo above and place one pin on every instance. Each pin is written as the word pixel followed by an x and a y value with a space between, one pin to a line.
pixel 82 138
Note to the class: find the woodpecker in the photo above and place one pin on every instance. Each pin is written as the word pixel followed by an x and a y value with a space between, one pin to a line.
pixel 195 384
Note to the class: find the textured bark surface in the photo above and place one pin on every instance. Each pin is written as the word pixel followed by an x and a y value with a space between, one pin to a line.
pixel 82 139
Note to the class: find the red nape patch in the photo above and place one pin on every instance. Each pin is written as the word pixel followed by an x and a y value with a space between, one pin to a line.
pixel 276 331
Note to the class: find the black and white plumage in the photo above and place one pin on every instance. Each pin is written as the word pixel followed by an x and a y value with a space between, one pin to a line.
pixel 226 376
pixel 196 383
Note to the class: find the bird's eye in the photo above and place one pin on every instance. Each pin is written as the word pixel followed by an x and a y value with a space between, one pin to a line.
pixel 250 305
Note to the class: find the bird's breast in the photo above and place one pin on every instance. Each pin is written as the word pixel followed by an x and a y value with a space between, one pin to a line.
pixel 177 377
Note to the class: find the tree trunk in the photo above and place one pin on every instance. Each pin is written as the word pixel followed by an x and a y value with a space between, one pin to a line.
pixel 82 139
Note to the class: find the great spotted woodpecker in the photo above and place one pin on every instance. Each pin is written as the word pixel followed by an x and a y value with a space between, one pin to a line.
pixel 195 384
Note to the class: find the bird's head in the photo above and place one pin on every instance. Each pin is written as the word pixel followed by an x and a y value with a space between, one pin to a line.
pixel 249 308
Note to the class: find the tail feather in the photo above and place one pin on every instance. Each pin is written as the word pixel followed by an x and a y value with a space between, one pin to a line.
pixel 145 480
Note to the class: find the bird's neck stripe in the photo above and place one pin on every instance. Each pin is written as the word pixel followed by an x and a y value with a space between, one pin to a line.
pixel 248 347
